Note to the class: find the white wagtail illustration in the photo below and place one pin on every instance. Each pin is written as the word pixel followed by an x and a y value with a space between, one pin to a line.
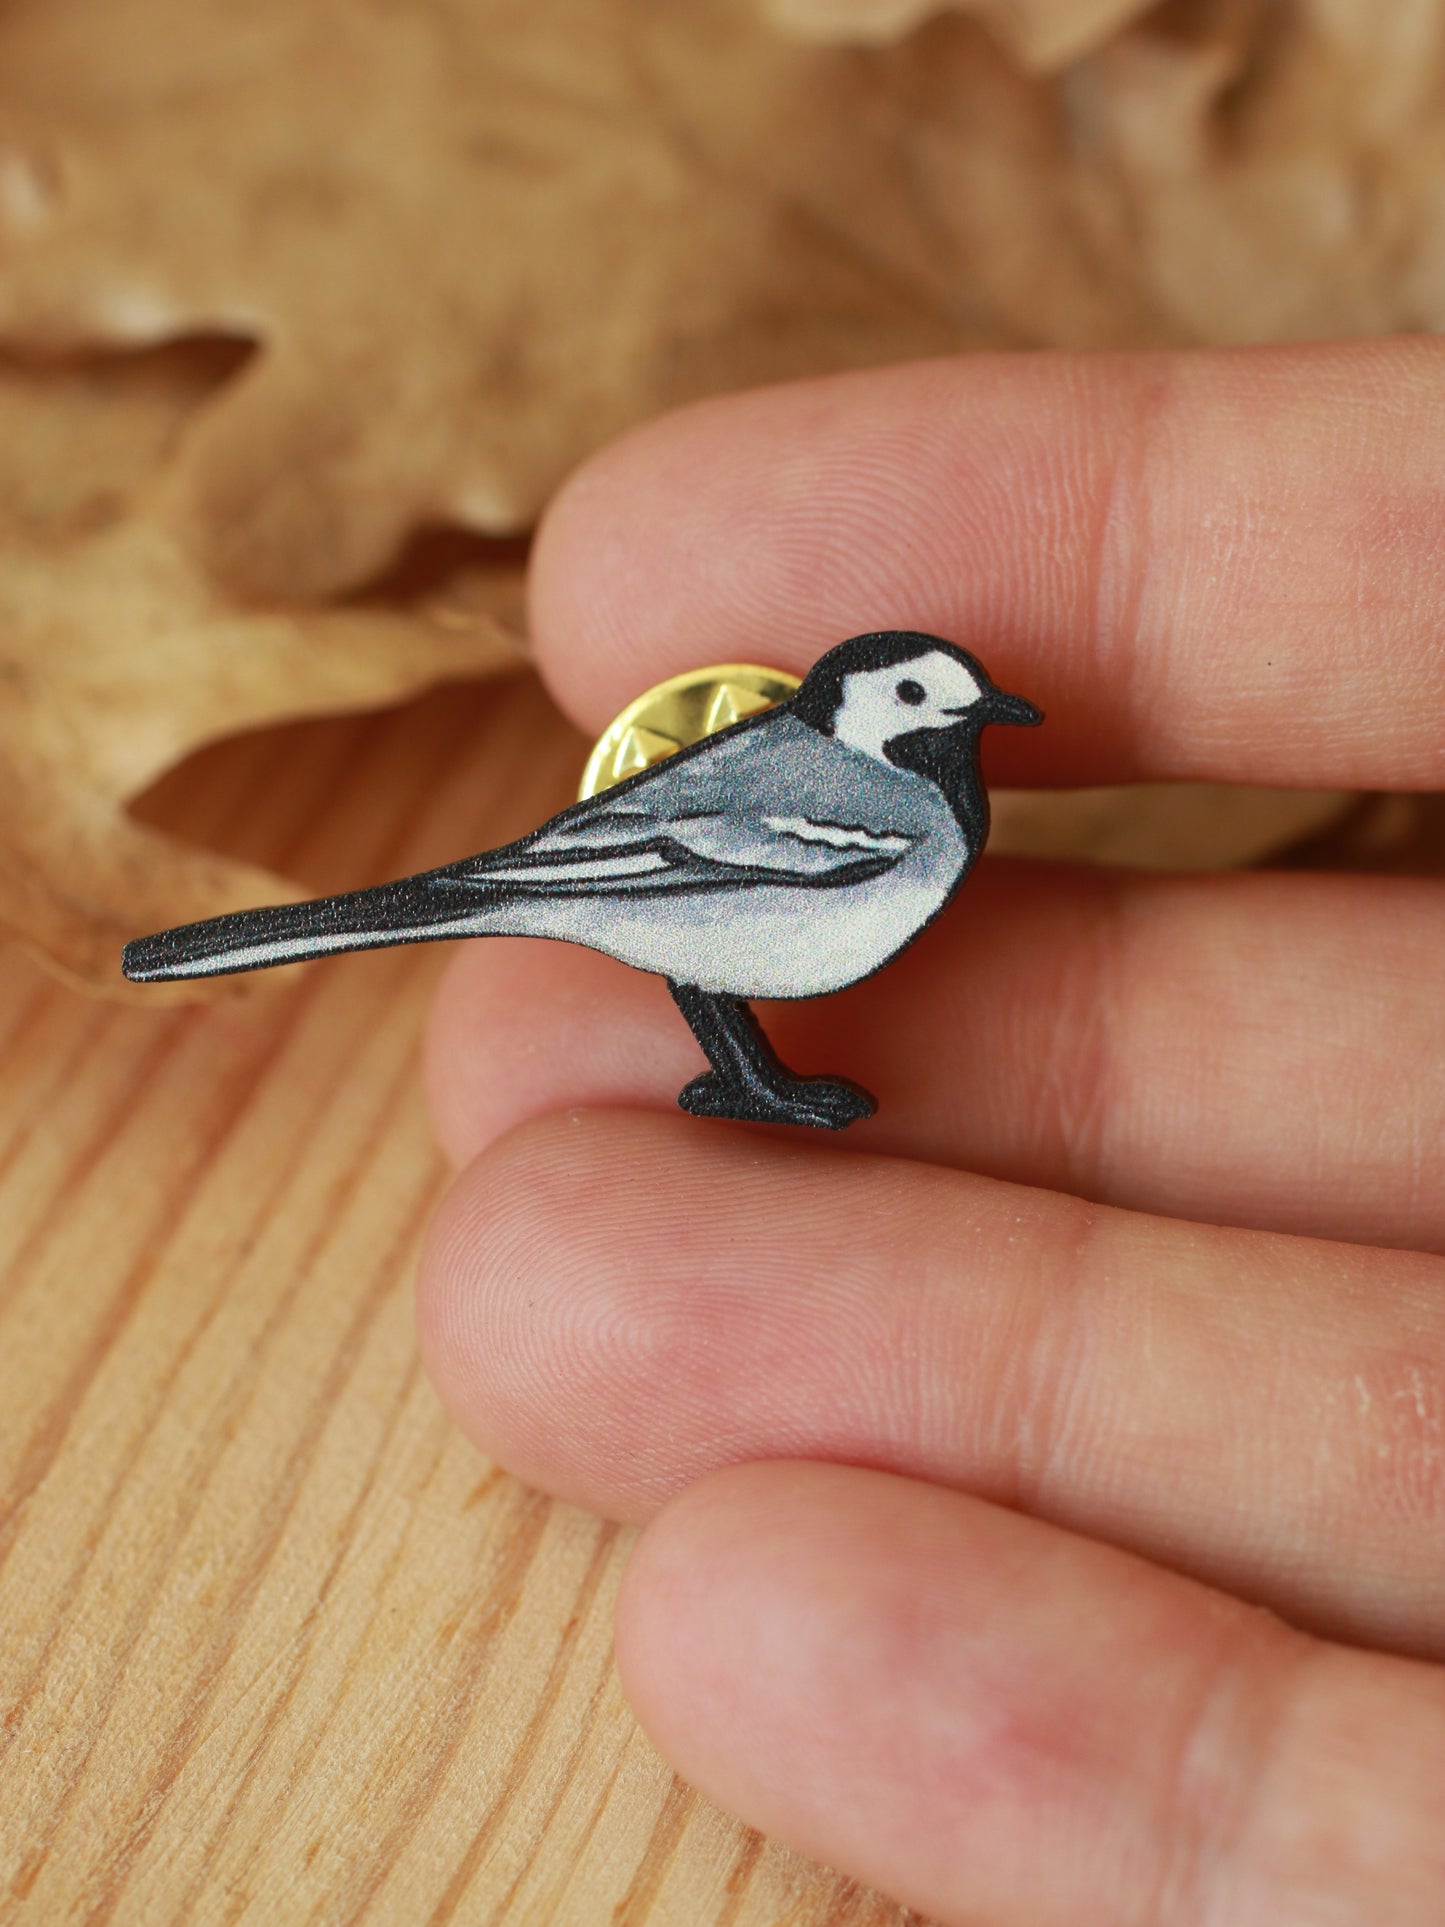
pixel 787 856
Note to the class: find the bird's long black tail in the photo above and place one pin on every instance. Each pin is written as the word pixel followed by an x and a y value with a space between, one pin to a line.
pixel 419 909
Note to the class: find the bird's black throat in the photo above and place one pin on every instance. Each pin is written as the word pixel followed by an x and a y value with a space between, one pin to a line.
pixel 949 758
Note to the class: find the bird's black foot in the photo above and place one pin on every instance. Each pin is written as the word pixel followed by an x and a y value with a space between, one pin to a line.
pixel 748 1081
pixel 817 1103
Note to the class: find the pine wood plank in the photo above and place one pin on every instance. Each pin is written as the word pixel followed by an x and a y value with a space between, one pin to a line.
pixel 277 1644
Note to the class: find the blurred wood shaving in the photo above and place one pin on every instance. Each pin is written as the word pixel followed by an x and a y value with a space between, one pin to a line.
pixel 1161 826
pixel 118 657
pixel 1041 34
pixel 475 238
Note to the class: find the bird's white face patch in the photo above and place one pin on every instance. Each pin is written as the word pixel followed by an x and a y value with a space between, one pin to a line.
pixel 930 692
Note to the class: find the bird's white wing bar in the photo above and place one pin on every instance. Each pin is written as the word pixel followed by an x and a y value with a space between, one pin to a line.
pixel 839 836
pixel 778 846
pixel 637 849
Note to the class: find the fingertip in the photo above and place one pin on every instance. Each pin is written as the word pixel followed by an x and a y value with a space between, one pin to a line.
pixel 488 1322
pixel 699 1541
pixel 870 1669
pixel 477 1287
pixel 738 1603
pixel 534 1329
pixel 592 567
pixel 586 1337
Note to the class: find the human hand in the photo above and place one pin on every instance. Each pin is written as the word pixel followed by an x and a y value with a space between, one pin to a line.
pixel 979 1622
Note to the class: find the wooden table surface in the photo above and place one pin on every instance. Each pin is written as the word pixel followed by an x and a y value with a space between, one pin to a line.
pixel 276 1644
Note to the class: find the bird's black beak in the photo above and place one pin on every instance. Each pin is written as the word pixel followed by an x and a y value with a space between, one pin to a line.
pixel 1004 708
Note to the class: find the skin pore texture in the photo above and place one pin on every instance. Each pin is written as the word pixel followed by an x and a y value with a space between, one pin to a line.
pixel 1043 1494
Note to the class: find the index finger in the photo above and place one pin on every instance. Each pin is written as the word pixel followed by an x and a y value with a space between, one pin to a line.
pixel 1219 564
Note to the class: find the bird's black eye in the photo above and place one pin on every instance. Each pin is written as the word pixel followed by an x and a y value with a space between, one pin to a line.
pixel 909 691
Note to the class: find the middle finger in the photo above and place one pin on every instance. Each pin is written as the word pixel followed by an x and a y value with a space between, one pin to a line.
pixel 1262 1050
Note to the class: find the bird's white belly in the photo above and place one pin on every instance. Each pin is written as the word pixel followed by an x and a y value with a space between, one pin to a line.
pixel 763 941
pixel 813 941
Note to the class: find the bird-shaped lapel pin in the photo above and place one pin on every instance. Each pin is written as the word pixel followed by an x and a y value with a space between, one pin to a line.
pixel 788 855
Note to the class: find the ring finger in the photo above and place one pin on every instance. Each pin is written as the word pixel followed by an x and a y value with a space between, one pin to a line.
pixel 1122 1037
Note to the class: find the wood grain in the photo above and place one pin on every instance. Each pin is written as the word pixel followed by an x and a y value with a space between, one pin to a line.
pixel 275 1644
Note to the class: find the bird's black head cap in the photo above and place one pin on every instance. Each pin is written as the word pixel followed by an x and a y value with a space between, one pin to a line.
pixel 818 700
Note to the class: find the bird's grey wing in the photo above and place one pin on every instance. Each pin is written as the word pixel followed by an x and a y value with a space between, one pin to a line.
pixel 634 850
pixel 750 806
pixel 635 845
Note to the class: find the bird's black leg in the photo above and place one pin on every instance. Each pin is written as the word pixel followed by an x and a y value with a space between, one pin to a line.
pixel 747 1079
